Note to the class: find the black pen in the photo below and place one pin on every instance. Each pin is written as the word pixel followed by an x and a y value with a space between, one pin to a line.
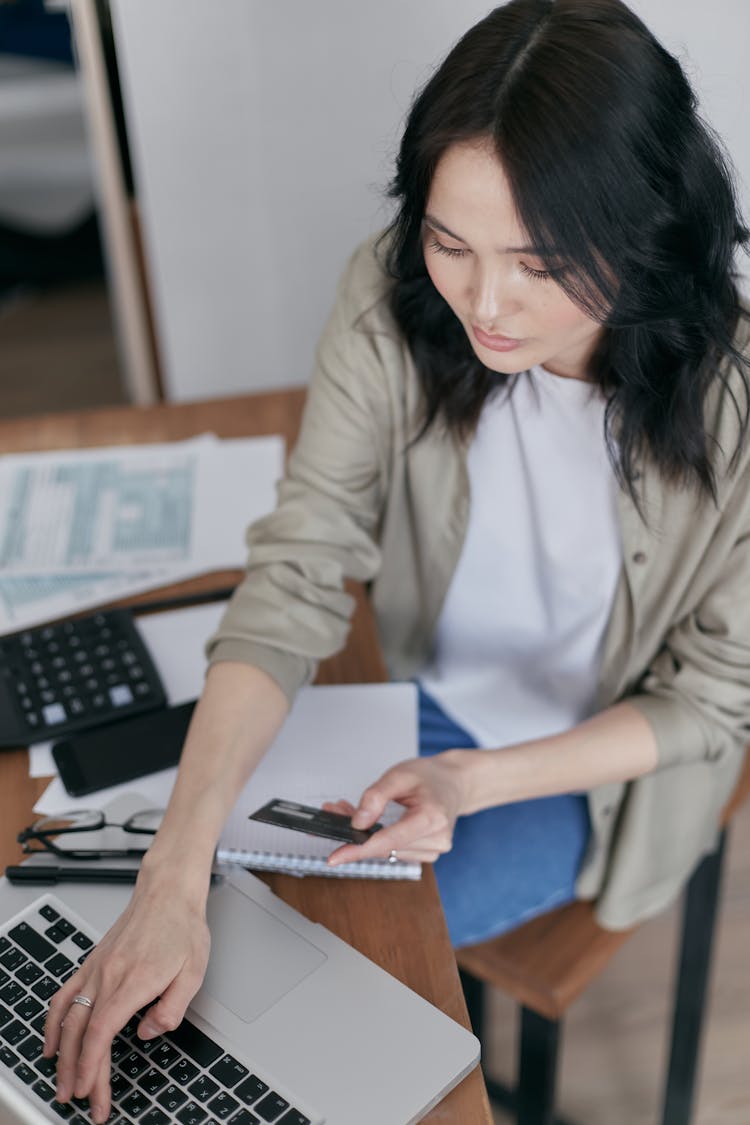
pixel 51 874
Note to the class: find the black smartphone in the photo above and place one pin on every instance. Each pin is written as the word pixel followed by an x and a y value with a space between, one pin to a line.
pixel 108 755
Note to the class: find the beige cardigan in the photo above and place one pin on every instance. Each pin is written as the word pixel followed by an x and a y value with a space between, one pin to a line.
pixel 360 501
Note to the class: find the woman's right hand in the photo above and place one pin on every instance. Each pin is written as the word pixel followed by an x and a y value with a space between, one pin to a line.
pixel 156 951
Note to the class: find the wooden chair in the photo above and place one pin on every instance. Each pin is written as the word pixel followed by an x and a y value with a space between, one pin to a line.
pixel 547 963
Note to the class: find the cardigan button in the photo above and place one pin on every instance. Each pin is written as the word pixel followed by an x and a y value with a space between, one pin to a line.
pixel 639 557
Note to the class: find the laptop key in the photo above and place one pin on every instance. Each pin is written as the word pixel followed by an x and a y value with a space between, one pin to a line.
pixel 12 992
pixel 8 1057
pixel 58 965
pixel 193 1043
pixel 29 973
pixel 12 958
pixel 192 1114
pixel 203 1088
pixel 35 945
pixel 164 1054
pixel 251 1089
pixel 119 1084
pixel 28 1008
pixel 135 1103
pixel 62 1109
pixel 5 1015
pixel 223 1105
pixel 14 1032
pixel 244 1117
pixel 293 1117
pixel 45 988
pixel 228 1071
pixel 43 1090
pixel 31 1048
pixel 25 1073
pixel 119 1048
pixel 47 1067
pixel 271 1106
pixel 183 1072
pixel 152 1081
pixel 155 1116
pixel 133 1064
pixel 171 1098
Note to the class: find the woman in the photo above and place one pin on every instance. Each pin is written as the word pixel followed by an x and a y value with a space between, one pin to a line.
pixel 527 431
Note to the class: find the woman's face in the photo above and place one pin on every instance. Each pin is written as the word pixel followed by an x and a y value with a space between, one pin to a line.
pixel 513 312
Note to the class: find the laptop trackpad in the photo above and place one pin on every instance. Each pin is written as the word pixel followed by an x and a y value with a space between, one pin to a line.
pixel 255 958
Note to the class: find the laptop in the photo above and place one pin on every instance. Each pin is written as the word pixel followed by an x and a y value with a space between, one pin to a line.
pixel 291 1026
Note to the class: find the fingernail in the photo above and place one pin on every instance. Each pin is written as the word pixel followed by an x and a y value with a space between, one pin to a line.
pixel 148 1031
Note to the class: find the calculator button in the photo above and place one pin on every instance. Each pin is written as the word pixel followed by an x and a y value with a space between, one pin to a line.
pixel 91 685
pixel 22 687
pixel 54 713
pixel 26 703
pixel 49 696
pixel 99 701
pixel 120 695
pixel 64 677
pixel 68 691
pixel 32 719
pixel 76 707
pixel 142 688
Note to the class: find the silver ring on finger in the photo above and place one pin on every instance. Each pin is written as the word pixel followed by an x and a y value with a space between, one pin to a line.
pixel 84 1000
pixel 393 857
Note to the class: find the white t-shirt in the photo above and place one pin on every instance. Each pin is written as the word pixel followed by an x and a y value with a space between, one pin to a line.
pixel 519 638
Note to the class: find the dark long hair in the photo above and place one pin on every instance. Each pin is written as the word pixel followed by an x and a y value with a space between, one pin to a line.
pixel 614 175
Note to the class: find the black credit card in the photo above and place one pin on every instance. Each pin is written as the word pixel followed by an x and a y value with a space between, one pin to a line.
pixel 316 822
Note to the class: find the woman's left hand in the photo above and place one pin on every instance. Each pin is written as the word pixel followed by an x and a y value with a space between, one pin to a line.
pixel 432 791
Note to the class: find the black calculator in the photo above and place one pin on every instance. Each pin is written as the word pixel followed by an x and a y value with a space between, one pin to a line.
pixel 56 679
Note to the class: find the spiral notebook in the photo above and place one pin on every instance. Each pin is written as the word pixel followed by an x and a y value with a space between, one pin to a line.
pixel 336 741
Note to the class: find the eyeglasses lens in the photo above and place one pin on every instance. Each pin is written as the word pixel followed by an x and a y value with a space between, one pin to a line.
pixel 149 820
pixel 80 820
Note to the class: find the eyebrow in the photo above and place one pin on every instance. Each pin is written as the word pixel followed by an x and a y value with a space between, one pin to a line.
pixel 437 225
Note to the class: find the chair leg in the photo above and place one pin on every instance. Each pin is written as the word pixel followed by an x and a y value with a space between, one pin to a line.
pixel 537 1069
pixel 532 1101
pixel 698 927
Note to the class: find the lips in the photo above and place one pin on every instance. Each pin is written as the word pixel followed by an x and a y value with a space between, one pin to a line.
pixel 495 343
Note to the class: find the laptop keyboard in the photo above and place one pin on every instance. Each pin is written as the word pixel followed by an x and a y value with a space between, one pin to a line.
pixel 181 1078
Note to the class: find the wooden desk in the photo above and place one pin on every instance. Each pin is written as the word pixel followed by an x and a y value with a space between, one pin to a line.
pixel 398 925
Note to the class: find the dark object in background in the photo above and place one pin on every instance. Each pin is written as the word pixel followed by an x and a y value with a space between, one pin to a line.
pixel 40 260
pixel 28 257
pixel 28 28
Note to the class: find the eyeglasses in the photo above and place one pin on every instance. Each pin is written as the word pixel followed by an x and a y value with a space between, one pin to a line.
pixel 86 820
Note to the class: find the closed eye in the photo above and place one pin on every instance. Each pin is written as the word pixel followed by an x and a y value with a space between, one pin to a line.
pixel 450 251
pixel 540 275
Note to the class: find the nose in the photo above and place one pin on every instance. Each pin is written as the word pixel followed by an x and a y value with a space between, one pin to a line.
pixel 491 299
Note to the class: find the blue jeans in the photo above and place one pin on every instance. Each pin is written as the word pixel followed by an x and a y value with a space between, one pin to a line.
pixel 508 863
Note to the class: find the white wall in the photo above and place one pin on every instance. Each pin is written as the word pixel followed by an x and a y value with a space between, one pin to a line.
pixel 263 133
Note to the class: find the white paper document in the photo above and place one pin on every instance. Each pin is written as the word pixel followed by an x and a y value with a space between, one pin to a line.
pixel 335 742
pixel 78 528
